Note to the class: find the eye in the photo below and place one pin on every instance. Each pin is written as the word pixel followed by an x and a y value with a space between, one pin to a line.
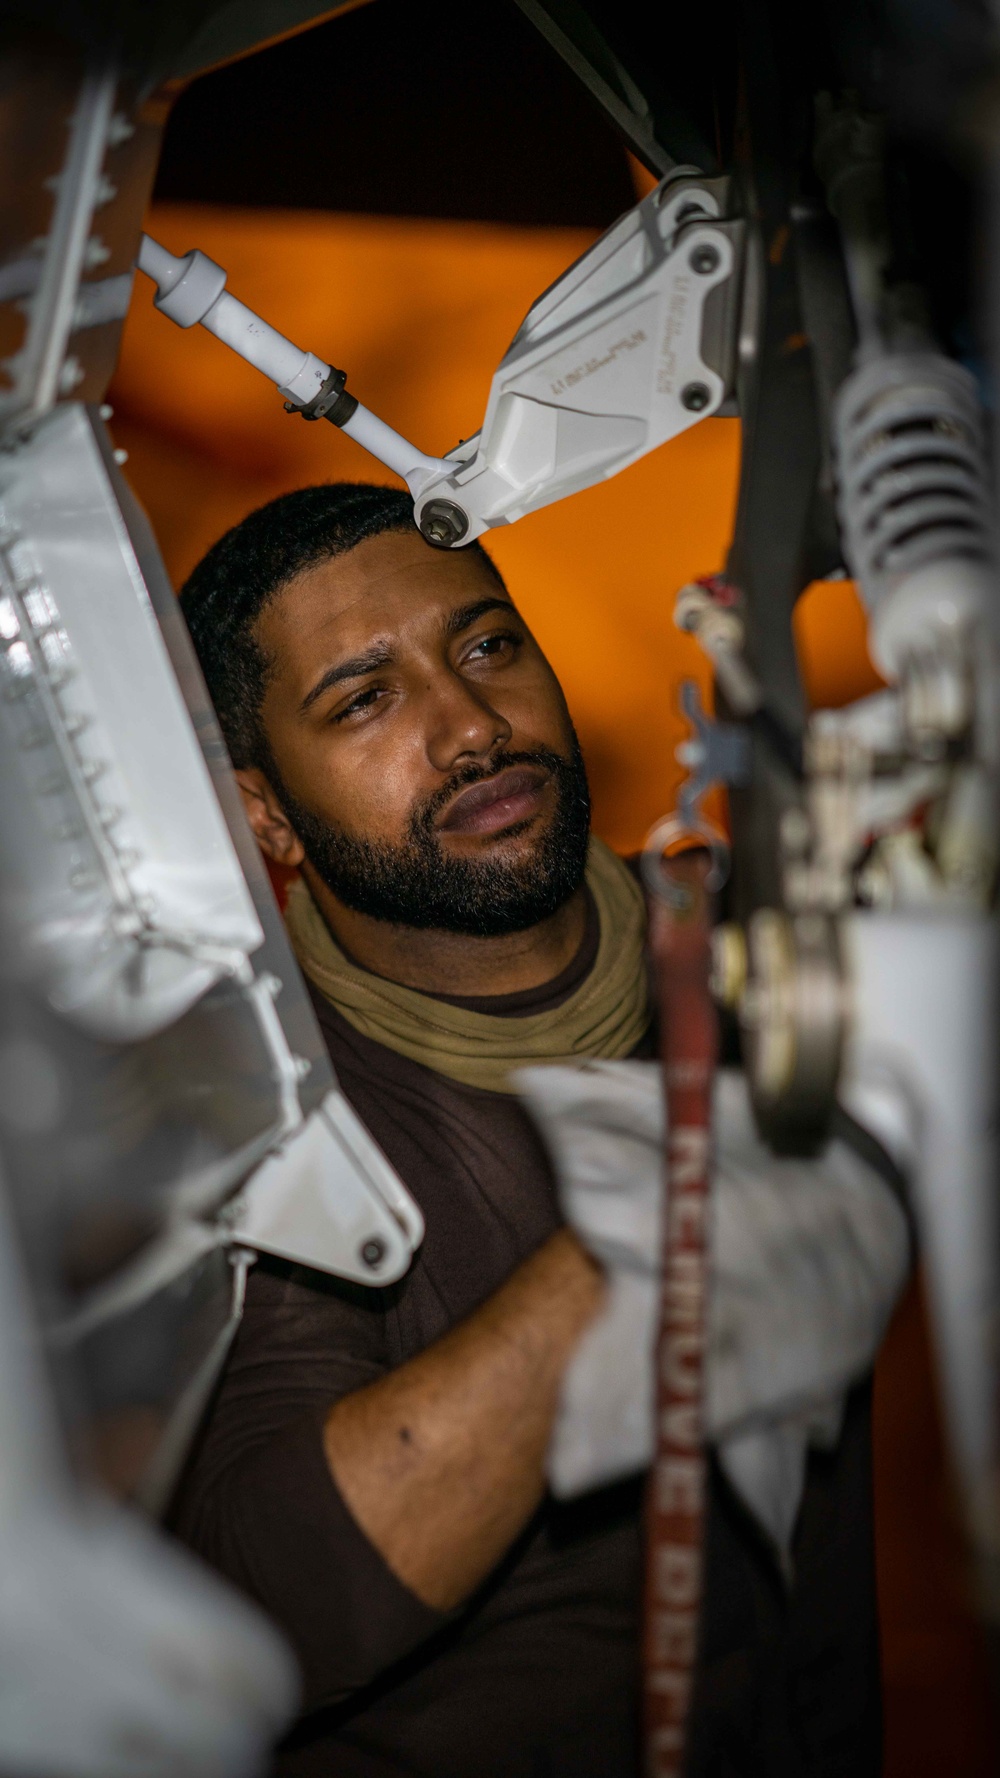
pixel 493 646
pixel 361 701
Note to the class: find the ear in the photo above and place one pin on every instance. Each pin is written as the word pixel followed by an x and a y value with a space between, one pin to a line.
pixel 271 827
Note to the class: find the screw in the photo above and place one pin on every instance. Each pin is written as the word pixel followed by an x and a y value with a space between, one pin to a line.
pixel 704 259
pixel 119 130
pixel 95 253
pixel 443 523
pixel 373 1252
pixel 70 375
pixel 695 397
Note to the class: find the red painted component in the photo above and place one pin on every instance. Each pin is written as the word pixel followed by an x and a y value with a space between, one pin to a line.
pixel 719 589
pixel 680 934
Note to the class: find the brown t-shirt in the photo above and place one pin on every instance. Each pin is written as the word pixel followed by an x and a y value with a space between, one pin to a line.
pixel 536 1677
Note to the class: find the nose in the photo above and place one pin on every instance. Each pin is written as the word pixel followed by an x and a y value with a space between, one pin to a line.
pixel 461 724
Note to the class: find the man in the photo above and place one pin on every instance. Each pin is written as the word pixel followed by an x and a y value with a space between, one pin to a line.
pixel 372 1470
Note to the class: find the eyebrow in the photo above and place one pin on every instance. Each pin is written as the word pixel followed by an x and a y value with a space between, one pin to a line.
pixel 380 654
pixel 469 614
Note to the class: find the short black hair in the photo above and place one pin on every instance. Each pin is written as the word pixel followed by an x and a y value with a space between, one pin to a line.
pixel 224 596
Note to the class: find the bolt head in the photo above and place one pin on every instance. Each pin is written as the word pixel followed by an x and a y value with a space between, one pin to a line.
pixel 443 523
pixel 695 397
pixel 704 259
pixel 373 1252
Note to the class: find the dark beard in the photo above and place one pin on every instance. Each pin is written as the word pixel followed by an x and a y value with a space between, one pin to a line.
pixel 418 884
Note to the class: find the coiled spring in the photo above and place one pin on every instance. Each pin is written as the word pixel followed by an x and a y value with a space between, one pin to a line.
pixel 912 481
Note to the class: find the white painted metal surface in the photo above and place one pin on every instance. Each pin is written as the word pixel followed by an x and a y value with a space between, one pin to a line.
pixel 121 1657
pixel 329 1199
pixel 607 365
pixel 924 1008
pixel 122 877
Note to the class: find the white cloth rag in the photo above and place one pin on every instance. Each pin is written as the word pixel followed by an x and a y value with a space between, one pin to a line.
pixel 808 1257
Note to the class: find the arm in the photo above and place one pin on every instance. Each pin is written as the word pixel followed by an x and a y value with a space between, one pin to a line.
pixel 442 1461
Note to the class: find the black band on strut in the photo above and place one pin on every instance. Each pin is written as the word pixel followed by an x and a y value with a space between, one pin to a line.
pixel 331 402
pixel 782 740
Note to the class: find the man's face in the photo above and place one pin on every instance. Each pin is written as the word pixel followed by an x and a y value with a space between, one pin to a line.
pixel 426 758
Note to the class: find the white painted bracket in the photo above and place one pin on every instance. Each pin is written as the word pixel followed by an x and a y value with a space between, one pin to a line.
pixel 612 361
pixel 329 1199
pixel 634 344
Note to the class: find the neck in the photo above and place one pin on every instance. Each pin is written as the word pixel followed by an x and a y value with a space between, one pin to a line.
pixel 452 962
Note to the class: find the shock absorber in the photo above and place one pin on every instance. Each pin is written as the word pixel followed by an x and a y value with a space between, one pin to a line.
pixel 909 444
pixel 914 505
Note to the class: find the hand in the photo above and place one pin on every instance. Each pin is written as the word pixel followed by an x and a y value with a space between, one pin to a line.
pixel 808 1260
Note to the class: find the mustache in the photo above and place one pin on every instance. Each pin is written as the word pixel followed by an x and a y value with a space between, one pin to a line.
pixel 424 816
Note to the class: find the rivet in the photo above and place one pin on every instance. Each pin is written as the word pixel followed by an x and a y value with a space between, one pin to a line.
pixel 704 259
pixel 695 397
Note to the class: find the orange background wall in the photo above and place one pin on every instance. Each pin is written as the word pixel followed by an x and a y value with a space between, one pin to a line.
pixel 420 313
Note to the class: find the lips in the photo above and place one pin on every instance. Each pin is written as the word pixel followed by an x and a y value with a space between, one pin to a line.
pixel 496 803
